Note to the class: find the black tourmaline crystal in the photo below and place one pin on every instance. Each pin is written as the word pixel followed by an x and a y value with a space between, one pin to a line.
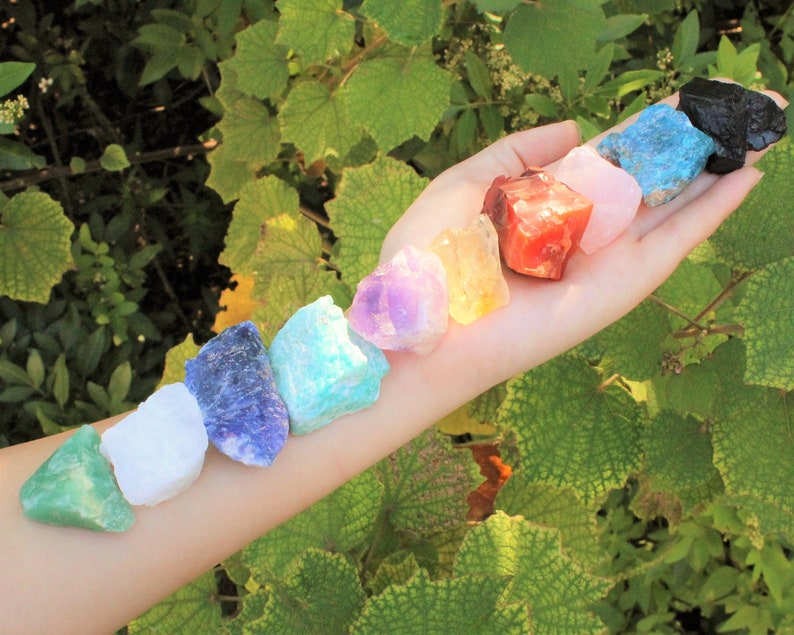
pixel 735 118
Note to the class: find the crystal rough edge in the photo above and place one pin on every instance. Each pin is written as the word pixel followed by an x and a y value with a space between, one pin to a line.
pixel 322 368
pixel 403 305
pixel 539 222
pixel 662 150
pixel 75 487
pixel 233 382
pixel 615 194
pixel 736 119
pixel 158 450
pixel 475 280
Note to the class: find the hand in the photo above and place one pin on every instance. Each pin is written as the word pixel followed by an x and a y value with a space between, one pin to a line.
pixel 545 318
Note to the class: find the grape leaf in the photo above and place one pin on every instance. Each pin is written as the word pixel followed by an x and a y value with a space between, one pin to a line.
pixel 322 596
pixel 383 97
pixel 252 607
pixel 175 360
pixel 690 391
pixel 249 133
pixel 316 30
pixel 411 22
pixel 635 343
pixel 559 593
pixel 554 38
pixel 228 175
pixel 35 244
pixel 236 303
pixel 260 64
pixel 753 436
pixel 369 200
pixel 317 122
pixel 570 432
pixel 192 609
pixel 552 507
pixel 462 605
pixel 678 460
pixel 397 568
pixel 338 523
pixel 689 290
pixel 260 201
pixel 767 517
pixel 767 312
pixel 425 484
pixel 761 231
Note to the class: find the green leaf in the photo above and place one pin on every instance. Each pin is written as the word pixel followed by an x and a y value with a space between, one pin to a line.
pixel 338 523
pixel 478 74
pixel 497 6
pixel 228 175
pixel 620 25
pixel 250 134
pixel 175 360
pixel 114 159
pixel 753 436
pixel 678 460
pixel 35 368
pixel 120 380
pixel 316 30
pixel 60 381
pixel 425 484
pixel 322 596
pixel 17 156
pixel 767 312
pixel 686 40
pixel 546 505
pixel 689 290
pixel 194 608
pixel 558 592
pixel 369 200
pixel 77 165
pixel 599 67
pixel 691 391
pixel 409 22
pixel 397 568
pixel 550 38
pixel 382 97
pixel 259 201
pixel 35 243
pixel 317 122
pixel 760 231
pixel 627 82
pixel 542 104
pixel 12 74
pixel 578 434
pixel 260 63
pixel 465 605
pixel 634 345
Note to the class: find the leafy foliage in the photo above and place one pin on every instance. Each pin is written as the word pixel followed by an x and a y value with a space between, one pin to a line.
pixel 653 497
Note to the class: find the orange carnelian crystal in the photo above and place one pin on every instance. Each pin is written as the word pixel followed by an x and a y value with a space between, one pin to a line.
pixel 539 220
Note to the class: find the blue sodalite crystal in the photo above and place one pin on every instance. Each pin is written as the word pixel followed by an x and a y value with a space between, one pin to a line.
pixel 323 369
pixel 232 380
pixel 662 150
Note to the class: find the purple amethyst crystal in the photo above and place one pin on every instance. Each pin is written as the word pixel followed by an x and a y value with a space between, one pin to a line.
pixel 232 381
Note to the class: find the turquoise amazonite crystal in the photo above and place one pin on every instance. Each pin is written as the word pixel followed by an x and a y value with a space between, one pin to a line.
pixel 75 487
pixel 662 150
pixel 233 382
pixel 324 370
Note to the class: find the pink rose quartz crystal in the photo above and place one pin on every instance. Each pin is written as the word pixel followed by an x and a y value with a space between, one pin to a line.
pixel 616 195
pixel 403 304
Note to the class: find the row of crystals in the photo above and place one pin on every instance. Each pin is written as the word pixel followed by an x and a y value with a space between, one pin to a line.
pixel 323 364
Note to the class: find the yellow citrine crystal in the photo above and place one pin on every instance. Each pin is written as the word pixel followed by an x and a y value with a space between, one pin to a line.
pixel 476 283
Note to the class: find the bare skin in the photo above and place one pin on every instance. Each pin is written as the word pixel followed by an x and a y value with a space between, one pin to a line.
pixel 69 580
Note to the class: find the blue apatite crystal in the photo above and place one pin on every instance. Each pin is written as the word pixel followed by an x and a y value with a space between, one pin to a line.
pixel 232 380
pixel 323 369
pixel 662 150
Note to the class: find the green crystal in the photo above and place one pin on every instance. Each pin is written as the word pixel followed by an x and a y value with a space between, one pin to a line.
pixel 75 487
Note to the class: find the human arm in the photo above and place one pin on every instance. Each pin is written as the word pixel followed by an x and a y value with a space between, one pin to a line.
pixel 85 582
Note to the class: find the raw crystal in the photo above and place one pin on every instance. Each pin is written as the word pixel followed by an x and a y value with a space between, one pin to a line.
pixel 662 150
pixel 615 194
pixel 233 381
pixel 736 119
pixel 158 450
pixel 475 280
pixel 323 369
pixel 403 305
pixel 75 487
pixel 539 222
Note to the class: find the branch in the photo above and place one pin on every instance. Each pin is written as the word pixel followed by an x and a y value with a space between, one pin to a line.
pixel 56 171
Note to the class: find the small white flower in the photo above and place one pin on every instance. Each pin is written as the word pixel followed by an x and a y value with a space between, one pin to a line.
pixel 45 83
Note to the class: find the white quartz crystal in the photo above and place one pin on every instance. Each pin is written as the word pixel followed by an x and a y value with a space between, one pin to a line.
pixel 158 450
pixel 615 194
